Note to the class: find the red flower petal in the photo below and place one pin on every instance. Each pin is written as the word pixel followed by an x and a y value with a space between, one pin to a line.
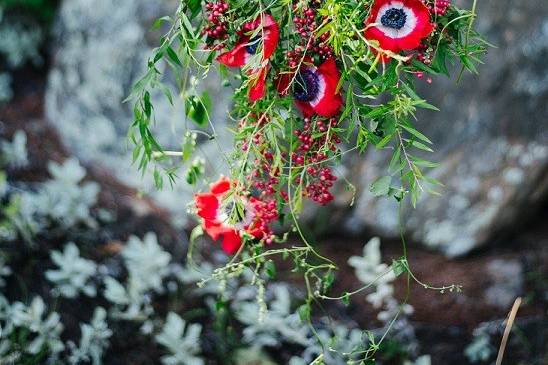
pixel 305 108
pixel 207 205
pixel 236 57
pixel 331 102
pixel 422 29
pixel 231 242
pixel 282 83
pixel 239 56
pixel 215 229
pixel 221 186
pixel 258 84
pixel 271 36
pixel 385 42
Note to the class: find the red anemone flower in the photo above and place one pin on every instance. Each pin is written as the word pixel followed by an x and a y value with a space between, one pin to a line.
pixel 398 25
pixel 314 88
pixel 266 41
pixel 221 220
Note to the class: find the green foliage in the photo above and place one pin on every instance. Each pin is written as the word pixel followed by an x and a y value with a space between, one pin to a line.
pixel 43 10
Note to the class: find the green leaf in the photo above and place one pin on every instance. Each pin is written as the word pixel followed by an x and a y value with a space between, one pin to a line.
pixel 423 163
pixel 304 312
pixel 439 61
pixel 383 142
pixel 195 6
pixel 270 269
pixel 158 179
pixel 381 186
pixel 220 305
pixel 158 22
pixel 173 56
pixel 416 133
pixel 421 146
pixel 328 280
pixel 147 104
pixel 399 266
pixel 395 162
pixel 196 110
pixel 346 299
pixel 421 66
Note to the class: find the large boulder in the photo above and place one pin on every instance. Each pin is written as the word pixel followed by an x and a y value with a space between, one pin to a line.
pixel 491 138
pixel 100 50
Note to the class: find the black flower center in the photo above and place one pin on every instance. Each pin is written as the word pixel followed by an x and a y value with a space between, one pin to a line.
pixel 306 85
pixel 253 45
pixel 394 18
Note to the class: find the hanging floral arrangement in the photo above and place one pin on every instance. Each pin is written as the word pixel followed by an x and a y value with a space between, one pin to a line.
pixel 313 81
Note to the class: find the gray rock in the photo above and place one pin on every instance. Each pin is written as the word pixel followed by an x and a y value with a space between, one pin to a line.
pixel 490 136
pixel 100 50
pixel 506 282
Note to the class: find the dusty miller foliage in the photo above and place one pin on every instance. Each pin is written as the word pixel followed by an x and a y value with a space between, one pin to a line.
pixel 147 266
pixel 34 320
pixel 73 274
pixel 94 340
pixel 273 324
pixel 65 200
pixel 182 341
pixel 480 349
pixel 14 152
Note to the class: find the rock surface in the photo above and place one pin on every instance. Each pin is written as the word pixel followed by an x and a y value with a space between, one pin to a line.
pixel 100 51
pixel 491 139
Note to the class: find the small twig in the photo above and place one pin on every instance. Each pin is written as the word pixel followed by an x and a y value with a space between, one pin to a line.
pixel 509 323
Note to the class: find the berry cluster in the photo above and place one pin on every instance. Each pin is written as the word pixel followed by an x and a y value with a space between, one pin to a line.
pixel 424 54
pixel 305 21
pixel 217 23
pixel 318 190
pixel 265 212
pixel 439 7
pixel 316 141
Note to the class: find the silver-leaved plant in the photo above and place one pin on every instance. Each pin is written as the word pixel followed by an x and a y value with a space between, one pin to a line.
pixel 181 340
pixel 94 340
pixel 73 274
pixel 278 324
pixel 147 265
pixel 45 328
pixel 14 154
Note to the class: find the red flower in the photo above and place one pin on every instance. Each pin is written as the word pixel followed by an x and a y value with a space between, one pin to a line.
pixel 267 36
pixel 314 88
pixel 398 25
pixel 221 219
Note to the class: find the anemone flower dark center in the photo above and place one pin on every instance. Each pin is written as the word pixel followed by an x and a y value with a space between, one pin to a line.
pixel 252 46
pixel 306 85
pixel 394 18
